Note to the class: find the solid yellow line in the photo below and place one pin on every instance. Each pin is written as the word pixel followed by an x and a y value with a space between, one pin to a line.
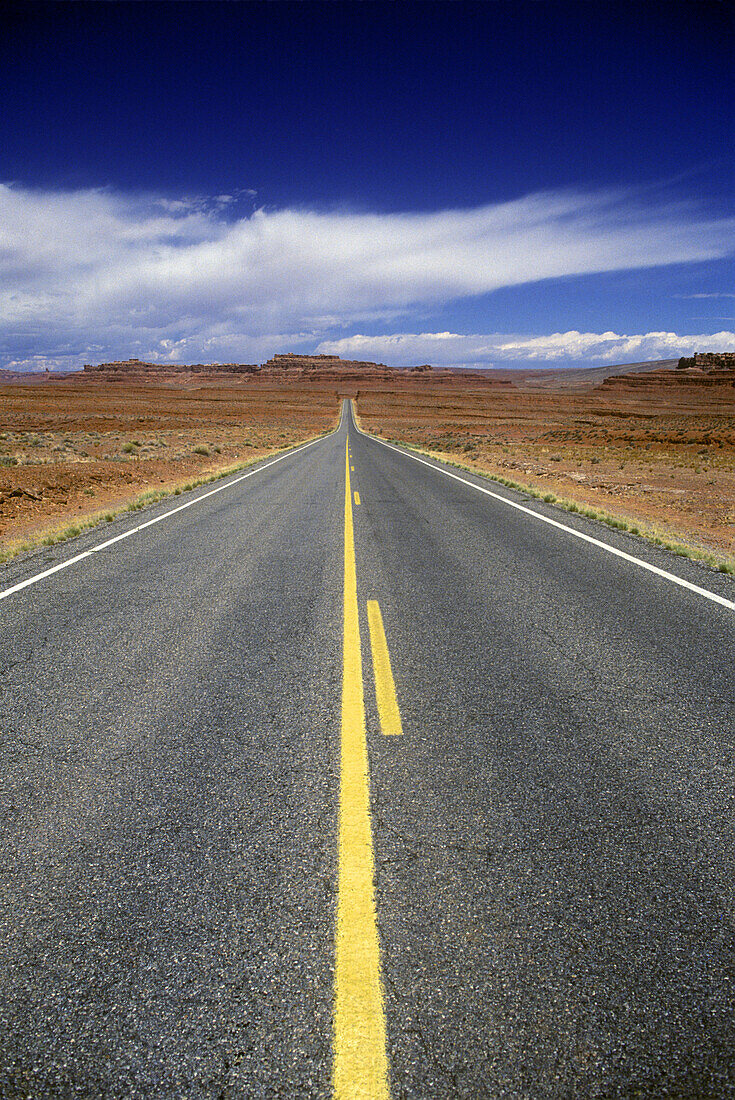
pixel 385 688
pixel 360 1061
pixel 357 497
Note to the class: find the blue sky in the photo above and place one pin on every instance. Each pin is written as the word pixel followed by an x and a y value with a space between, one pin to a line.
pixel 502 183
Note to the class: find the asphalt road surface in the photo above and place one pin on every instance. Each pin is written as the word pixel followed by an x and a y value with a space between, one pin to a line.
pixel 189 837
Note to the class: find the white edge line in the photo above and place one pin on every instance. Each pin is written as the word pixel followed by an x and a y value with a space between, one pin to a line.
pixel 555 523
pixel 157 519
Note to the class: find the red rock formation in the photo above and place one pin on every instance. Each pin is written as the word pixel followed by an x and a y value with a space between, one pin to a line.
pixel 293 361
pixel 288 367
pixel 709 361
pixel 140 367
pixel 703 370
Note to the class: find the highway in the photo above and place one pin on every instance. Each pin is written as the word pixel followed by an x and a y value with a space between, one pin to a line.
pixel 350 778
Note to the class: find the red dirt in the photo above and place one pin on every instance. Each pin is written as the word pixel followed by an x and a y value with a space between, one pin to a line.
pixel 64 445
pixel 662 456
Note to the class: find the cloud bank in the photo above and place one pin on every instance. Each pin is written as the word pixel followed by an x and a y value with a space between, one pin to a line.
pixel 556 349
pixel 93 274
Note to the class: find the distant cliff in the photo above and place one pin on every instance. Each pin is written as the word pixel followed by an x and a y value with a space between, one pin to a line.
pixel 709 361
pixel 287 366
pixel 291 361
pixel 703 370
pixel 130 367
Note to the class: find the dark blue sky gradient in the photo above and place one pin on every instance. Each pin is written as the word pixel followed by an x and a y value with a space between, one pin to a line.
pixel 390 108
pixel 397 107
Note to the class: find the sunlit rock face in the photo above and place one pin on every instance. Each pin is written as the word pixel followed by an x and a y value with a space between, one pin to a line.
pixel 703 369
pixel 293 361
pixel 140 366
pixel 709 361
pixel 287 366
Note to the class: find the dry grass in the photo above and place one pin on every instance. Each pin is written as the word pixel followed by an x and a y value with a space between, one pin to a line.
pixel 73 454
pixel 660 465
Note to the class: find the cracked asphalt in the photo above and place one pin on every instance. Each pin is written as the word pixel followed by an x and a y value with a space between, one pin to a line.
pixel 553 832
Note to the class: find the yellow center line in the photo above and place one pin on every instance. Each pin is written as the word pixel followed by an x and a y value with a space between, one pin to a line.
pixel 357 497
pixel 360 1060
pixel 385 688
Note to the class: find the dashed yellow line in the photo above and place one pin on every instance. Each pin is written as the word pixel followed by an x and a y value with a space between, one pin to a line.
pixel 385 688
pixel 357 497
pixel 360 1060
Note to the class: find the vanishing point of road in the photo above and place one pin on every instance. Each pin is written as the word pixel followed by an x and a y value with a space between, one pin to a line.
pixel 359 775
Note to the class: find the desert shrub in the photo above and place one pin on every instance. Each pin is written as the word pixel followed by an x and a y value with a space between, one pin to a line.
pixel 201 450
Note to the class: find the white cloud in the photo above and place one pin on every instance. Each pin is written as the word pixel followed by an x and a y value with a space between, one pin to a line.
pixel 142 274
pixel 557 348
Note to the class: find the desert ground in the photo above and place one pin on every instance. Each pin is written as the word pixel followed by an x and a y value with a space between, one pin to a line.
pixel 660 458
pixel 71 451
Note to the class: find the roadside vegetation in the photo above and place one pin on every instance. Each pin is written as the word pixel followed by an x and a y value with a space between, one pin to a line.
pixel 57 535
pixel 77 455
pixel 661 471
pixel 617 522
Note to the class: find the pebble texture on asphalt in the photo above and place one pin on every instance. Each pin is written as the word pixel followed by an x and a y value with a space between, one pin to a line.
pixel 553 832
pixel 168 713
